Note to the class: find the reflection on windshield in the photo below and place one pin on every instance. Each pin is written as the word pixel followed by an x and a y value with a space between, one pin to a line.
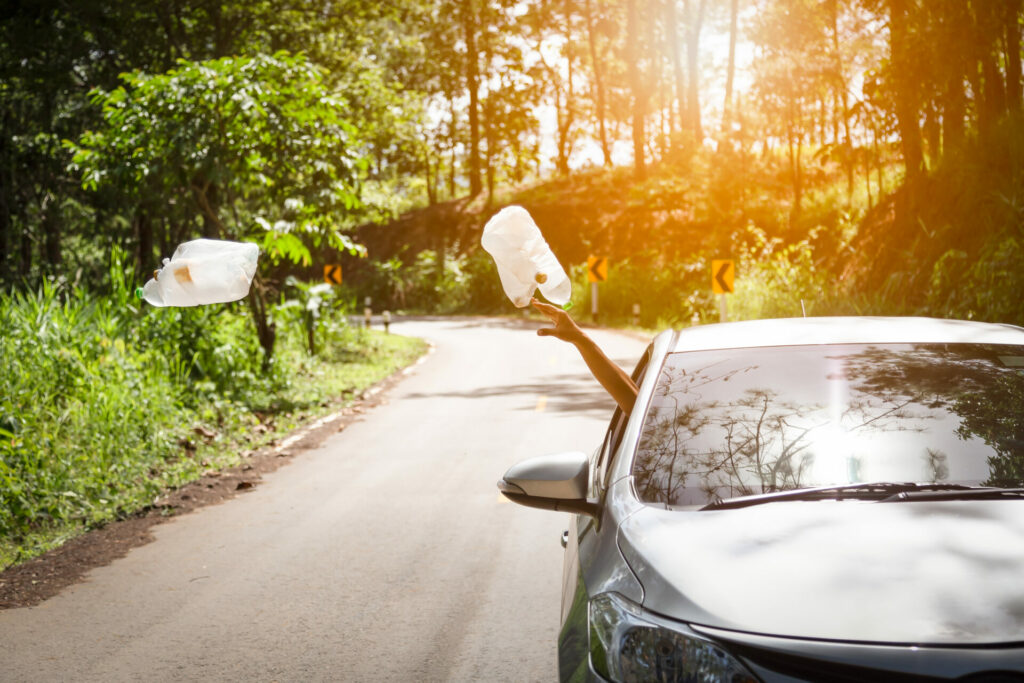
pixel 745 421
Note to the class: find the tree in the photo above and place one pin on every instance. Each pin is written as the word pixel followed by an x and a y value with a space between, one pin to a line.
pixel 551 29
pixel 905 77
pixel 254 146
pixel 694 23
pixel 470 29
pixel 734 10
pixel 793 77
pixel 638 87
pixel 596 27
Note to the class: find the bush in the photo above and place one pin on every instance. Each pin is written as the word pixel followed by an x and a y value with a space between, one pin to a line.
pixel 99 398
pixel 86 409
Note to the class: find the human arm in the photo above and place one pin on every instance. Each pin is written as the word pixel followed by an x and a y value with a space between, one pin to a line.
pixel 613 378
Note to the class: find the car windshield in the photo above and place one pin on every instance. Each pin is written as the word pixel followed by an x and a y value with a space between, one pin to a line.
pixel 739 422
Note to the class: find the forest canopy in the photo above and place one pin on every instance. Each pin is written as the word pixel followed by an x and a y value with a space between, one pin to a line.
pixel 874 141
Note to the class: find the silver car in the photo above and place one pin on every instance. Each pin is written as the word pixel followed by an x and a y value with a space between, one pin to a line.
pixel 814 499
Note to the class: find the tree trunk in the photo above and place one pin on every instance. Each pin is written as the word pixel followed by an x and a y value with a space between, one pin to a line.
pixel 655 50
pixel 734 10
pixel 205 194
pixel 491 136
pixel 1012 55
pixel 266 331
pixel 637 86
pixel 597 65
pixel 565 129
pixel 906 107
pixel 472 83
pixel 842 100
pixel 878 166
pixel 672 29
pixel 692 68
pixel 452 132
pixel 867 177
pixel 794 171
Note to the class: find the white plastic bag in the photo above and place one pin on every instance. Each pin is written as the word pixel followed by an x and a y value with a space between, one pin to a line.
pixel 203 272
pixel 525 261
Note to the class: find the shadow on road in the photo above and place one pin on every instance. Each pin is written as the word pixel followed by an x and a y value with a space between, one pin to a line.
pixel 575 394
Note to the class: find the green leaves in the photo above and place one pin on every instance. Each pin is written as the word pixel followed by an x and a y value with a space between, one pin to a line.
pixel 255 145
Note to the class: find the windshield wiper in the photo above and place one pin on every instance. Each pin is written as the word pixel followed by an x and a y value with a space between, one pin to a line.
pixel 879 491
pixel 970 493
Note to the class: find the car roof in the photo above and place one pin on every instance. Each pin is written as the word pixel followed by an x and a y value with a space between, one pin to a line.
pixel 843 330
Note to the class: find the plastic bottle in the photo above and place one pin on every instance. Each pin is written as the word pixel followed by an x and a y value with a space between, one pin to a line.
pixel 203 272
pixel 525 261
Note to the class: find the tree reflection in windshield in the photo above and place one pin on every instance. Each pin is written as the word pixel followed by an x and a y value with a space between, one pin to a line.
pixel 762 444
pixel 748 421
pixel 982 384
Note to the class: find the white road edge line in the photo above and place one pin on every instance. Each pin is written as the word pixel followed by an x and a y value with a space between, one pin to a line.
pixel 333 417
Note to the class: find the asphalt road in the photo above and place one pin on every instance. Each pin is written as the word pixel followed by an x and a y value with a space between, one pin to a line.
pixel 384 554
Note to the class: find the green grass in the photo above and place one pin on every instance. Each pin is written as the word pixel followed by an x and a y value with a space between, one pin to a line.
pixel 100 401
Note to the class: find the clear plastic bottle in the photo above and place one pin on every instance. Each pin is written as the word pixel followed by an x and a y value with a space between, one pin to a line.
pixel 525 261
pixel 203 272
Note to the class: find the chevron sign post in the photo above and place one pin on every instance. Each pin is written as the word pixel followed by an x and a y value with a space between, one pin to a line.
pixel 597 271
pixel 723 272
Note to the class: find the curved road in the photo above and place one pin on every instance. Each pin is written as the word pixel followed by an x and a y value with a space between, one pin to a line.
pixel 384 554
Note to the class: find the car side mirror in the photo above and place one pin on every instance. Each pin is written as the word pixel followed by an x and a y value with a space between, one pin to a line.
pixel 551 482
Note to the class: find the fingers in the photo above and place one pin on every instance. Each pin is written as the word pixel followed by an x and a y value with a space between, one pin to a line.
pixel 548 311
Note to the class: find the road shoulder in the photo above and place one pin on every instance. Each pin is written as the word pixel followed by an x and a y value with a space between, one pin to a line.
pixel 43 577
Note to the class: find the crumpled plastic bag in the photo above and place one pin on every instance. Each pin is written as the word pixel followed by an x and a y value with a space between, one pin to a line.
pixel 203 271
pixel 525 261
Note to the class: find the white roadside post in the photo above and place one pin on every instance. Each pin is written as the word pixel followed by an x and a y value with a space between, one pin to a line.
pixel 597 271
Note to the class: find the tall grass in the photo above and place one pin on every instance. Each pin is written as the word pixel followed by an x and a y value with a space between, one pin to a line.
pixel 103 403
pixel 87 408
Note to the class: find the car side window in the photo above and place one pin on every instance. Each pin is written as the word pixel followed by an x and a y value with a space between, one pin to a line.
pixel 617 427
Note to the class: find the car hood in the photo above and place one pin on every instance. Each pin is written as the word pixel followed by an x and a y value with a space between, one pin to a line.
pixel 921 573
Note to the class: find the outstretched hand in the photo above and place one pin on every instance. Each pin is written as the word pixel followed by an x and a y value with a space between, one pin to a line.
pixel 565 327
pixel 610 375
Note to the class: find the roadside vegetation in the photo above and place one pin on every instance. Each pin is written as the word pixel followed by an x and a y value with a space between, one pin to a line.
pixel 957 255
pixel 863 157
pixel 106 402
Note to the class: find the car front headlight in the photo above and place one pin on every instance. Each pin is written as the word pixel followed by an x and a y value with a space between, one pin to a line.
pixel 627 645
